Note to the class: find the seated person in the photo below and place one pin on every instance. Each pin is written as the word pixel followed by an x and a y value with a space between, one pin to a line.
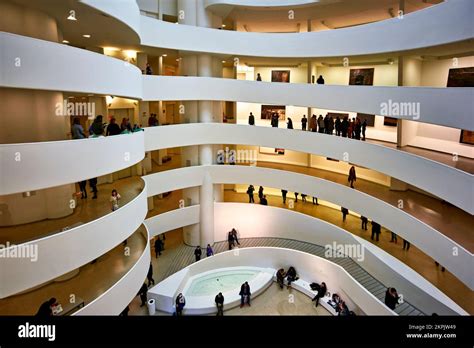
pixel 342 309
pixel 291 275
pixel 46 309
pixel 321 293
pixel 334 302
pixel 281 277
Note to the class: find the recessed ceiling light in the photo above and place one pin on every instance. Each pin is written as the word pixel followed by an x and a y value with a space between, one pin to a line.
pixel 86 36
pixel 165 55
pixel 65 41
pixel 223 61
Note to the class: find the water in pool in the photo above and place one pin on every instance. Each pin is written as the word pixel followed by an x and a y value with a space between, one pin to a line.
pixel 214 283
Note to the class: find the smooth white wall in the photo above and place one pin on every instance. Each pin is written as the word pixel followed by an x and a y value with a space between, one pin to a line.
pixel 63 162
pixel 78 70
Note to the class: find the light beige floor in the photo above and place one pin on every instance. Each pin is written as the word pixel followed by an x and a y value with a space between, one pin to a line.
pixel 447 219
pixel 275 301
pixel 91 281
pixel 462 163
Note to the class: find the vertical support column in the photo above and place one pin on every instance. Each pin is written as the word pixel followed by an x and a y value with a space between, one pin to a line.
pixel 206 157
pixel 193 12
pixel 400 121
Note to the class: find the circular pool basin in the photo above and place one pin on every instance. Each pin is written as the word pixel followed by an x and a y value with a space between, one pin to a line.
pixel 221 281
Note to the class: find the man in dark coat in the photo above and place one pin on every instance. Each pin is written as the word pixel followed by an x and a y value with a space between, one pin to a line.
pixel 244 294
pixel 198 253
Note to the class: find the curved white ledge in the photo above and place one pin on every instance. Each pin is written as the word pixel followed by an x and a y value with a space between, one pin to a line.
pixel 261 3
pixel 57 163
pixel 26 63
pixel 448 183
pixel 277 222
pixel 172 220
pixel 126 11
pixel 434 103
pixel 63 252
pixel 224 7
pixel 419 29
pixel 115 299
pixel 426 238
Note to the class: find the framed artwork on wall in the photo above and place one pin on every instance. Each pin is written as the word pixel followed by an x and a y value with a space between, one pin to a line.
pixel 280 75
pixel 363 77
pixel 390 121
pixel 334 115
pixel 271 151
pixel 268 110
pixel 467 137
pixel 370 119
pixel 461 77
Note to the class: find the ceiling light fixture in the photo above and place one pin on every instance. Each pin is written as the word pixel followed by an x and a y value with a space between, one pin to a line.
pixel 87 36
pixel 223 61
pixel 223 25
pixel 165 55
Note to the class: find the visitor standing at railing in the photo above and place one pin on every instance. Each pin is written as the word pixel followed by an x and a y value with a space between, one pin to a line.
pixel 304 121
pixel 114 200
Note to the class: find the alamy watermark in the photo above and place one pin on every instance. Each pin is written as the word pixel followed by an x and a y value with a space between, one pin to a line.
pixel 398 109
pixel 354 251
pixel 68 108
pixel 37 331
pixel 237 156
pixel 22 251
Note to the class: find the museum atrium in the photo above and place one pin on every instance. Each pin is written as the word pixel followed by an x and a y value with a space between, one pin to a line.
pixel 332 136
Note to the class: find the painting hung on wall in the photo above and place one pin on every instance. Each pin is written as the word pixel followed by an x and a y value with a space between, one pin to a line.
pixel 461 77
pixel 269 110
pixel 389 121
pixel 369 118
pixel 335 115
pixel 280 75
pixel 361 77
pixel 467 137
pixel 271 151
